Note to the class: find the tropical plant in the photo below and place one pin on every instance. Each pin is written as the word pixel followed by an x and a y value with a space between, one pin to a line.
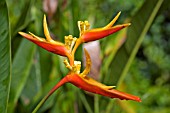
pixel 28 72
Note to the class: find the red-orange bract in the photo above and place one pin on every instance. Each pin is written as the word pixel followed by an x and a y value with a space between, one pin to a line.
pixel 59 48
pixel 89 85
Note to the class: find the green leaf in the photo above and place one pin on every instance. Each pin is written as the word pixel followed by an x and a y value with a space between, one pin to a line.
pixel 113 45
pixel 19 11
pixel 45 64
pixel 33 83
pixel 5 57
pixel 135 36
pixel 20 71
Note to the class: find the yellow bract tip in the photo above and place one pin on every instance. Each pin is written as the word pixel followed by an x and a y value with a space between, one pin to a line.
pixel 126 25
pixel 113 21
pixel 88 64
pixel 21 33
pixel 119 13
pixel 46 32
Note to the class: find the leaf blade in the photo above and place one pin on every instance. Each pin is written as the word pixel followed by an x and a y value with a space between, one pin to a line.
pixel 5 57
pixel 21 67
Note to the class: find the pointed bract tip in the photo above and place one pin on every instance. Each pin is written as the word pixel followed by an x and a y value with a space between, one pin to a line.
pixel 86 53
pixel 22 33
pixel 119 13
pixel 129 24
pixel 45 21
pixel 44 17
pixel 122 25
pixel 46 31
pixel 25 35
pixel 113 21
pixel 85 50
pixel 126 25
pixel 117 16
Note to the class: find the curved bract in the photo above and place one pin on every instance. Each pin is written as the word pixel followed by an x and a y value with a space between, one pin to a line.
pixel 57 48
pixel 96 34
pixel 89 84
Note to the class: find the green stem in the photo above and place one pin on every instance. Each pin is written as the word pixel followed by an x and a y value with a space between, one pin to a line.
pixel 85 102
pixel 96 103
pixel 60 83
pixel 40 104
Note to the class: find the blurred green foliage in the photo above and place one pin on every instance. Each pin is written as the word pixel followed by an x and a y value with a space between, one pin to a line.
pixel 151 69
pixel 35 71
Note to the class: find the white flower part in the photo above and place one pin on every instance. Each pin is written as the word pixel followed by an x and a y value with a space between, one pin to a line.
pixel 77 66
pixel 72 43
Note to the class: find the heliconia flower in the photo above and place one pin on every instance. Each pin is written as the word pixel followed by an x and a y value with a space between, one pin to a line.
pixel 48 44
pixel 98 33
pixel 88 84
pixel 68 49
pixel 87 35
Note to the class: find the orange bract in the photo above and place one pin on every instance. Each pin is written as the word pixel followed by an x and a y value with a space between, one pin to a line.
pixel 56 48
pixel 90 85
pixel 96 34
